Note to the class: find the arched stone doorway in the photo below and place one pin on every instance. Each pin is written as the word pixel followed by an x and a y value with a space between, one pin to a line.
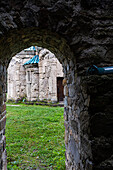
pixel 83 28
pixel 59 47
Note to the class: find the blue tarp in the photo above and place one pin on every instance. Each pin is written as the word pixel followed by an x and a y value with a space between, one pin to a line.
pixel 33 60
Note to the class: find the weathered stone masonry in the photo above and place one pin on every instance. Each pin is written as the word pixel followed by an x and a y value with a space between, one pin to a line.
pixel 34 81
pixel 79 33
pixel 3 163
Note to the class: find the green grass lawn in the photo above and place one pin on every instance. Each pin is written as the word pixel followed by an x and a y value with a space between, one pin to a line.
pixel 35 138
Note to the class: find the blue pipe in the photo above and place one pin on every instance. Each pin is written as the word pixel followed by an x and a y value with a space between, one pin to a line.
pixel 94 70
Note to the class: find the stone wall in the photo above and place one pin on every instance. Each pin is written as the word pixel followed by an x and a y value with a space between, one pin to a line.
pixel 79 33
pixel 49 69
pixel 16 76
pixel 101 120
pixel 3 163
pixel 76 103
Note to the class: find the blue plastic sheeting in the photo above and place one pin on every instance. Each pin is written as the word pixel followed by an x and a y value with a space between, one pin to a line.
pixel 33 60
pixel 32 48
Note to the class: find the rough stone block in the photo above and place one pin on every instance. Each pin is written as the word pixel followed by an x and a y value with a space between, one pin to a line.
pixel 1 99
pixel 71 90
pixel 66 90
pixel 2 123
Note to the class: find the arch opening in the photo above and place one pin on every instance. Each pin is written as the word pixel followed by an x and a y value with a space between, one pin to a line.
pixel 73 87
pixel 20 73
pixel 18 40
pixel 35 74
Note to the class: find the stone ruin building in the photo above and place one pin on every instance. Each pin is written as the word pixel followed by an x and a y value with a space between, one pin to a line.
pixel 80 34
pixel 34 78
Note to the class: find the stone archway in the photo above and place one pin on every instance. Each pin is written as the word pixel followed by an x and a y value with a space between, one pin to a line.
pixel 76 100
pixel 80 34
pixel 62 52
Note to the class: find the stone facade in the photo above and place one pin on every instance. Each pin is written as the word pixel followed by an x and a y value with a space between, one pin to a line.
pixel 34 81
pixel 49 70
pixel 17 76
pixel 79 33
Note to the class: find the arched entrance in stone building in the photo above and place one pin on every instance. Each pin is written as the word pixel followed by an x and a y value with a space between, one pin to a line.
pixel 17 69
pixel 49 40
pixel 76 101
